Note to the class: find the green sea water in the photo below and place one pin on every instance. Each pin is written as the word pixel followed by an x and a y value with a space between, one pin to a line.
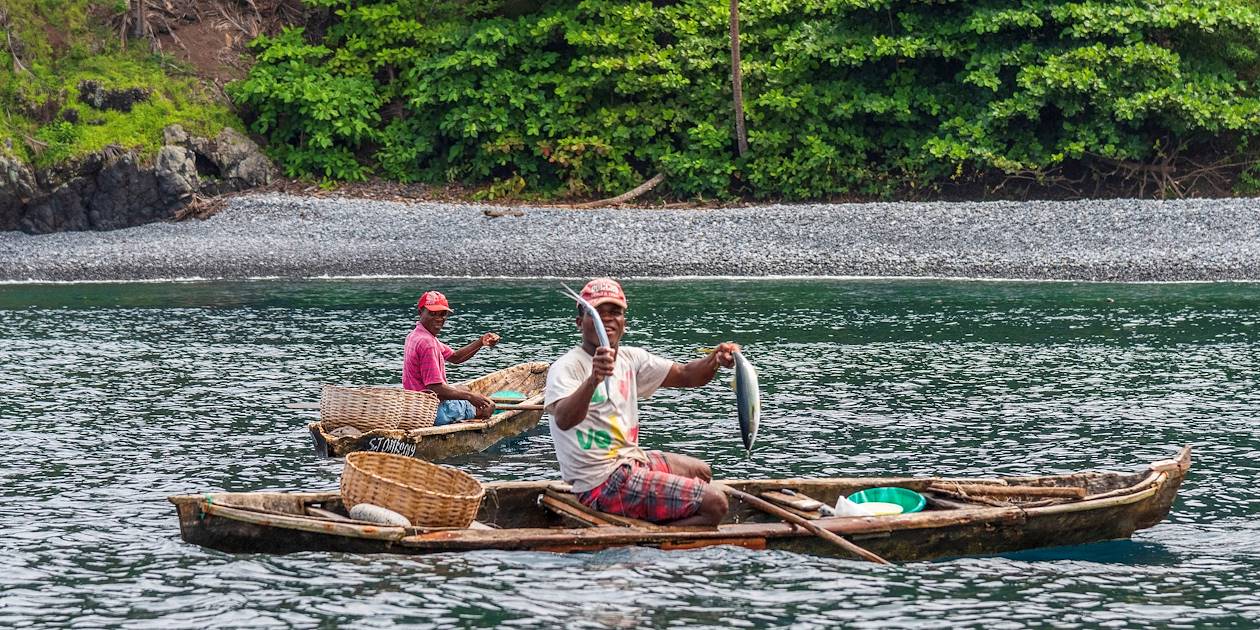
pixel 113 396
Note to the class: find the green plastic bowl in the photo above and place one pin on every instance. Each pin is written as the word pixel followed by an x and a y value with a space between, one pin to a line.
pixel 909 500
pixel 504 395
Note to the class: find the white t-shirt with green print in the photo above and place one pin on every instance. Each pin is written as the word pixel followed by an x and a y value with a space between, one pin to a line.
pixel 609 434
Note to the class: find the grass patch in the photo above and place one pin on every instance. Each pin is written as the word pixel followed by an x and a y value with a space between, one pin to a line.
pixel 63 43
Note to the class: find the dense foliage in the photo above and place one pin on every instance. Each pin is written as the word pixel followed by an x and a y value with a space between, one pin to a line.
pixel 48 47
pixel 843 97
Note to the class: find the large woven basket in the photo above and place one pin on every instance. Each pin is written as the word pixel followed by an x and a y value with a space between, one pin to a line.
pixel 371 408
pixel 429 495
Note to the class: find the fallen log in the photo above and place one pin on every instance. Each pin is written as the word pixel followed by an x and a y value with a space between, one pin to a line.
pixel 624 197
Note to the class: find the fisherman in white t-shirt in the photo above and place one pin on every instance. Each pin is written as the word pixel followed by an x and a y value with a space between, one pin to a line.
pixel 597 437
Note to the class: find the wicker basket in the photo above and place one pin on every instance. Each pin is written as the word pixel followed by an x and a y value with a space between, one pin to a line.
pixel 371 408
pixel 429 495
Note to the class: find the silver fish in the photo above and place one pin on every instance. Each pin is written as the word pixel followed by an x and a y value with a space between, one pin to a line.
pixel 599 329
pixel 747 400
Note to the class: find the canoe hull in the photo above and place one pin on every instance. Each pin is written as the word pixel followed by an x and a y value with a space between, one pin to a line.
pixel 428 447
pixel 1118 505
pixel 998 534
pixel 236 536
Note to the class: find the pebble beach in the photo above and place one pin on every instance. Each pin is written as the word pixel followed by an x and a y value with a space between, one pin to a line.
pixel 272 235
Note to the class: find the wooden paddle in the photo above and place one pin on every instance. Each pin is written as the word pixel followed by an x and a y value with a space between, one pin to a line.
pixel 770 508
pixel 521 406
pixel 506 406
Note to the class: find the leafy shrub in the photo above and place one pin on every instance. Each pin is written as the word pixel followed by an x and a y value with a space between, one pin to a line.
pixel 843 97
pixel 59 138
pixel 325 114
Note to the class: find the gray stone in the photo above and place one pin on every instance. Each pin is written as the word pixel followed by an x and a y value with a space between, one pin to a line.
pixel 174 134
pixel 17 185
pixel 238 161
pixel 176 171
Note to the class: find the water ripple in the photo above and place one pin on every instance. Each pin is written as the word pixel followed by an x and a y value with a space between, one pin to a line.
pixel 116 396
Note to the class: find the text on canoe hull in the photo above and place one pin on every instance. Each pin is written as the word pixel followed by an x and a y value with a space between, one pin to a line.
pixel 391 445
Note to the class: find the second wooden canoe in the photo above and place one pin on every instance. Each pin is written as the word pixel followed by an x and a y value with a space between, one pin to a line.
pixel 452 440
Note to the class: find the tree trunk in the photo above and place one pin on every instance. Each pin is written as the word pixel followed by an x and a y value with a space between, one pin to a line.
pixel 138 25
pixel 737 82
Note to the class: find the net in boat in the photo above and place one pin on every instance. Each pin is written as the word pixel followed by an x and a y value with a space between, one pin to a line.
pixel 428 494
pixel 372 408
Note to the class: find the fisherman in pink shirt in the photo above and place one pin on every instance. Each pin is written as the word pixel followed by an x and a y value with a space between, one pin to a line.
pixel 424 363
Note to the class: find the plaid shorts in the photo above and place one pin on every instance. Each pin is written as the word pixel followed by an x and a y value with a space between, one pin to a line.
pixel 646 491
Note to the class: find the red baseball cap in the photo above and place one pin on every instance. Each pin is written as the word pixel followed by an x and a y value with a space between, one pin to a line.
pixel 433 301
pixel 603 290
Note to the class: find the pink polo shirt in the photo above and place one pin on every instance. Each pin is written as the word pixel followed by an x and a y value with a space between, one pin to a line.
pixel 424 361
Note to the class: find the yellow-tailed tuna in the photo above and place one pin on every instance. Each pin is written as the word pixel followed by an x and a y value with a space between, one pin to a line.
pixel 747 400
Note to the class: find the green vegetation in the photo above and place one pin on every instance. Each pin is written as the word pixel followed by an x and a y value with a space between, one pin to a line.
pixel 58 44
pixel 843 97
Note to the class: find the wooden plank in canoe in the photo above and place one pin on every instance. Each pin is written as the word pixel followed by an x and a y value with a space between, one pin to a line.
pixel 796 501
pixel 566 504
pixel 570 514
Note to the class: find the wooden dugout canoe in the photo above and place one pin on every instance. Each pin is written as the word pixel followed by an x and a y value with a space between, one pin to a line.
pixel 452 440
pixel 1114 506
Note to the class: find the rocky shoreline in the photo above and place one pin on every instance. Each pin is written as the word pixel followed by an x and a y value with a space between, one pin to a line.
pixel 115 188
pixel 273 235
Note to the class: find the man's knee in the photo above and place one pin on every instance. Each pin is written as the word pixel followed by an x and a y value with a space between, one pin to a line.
pixel 701 470
pixel 451 411
pixel 686 466
pixel 705 474
pixel 713 504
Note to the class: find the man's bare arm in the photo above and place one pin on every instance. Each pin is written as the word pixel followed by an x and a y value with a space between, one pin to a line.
pixel 487 340
pixel 701 371
pixel 568 412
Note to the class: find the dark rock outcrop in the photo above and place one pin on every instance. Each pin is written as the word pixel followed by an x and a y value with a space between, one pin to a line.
pixel 17 183
pixel 113 189
pixel 95 94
